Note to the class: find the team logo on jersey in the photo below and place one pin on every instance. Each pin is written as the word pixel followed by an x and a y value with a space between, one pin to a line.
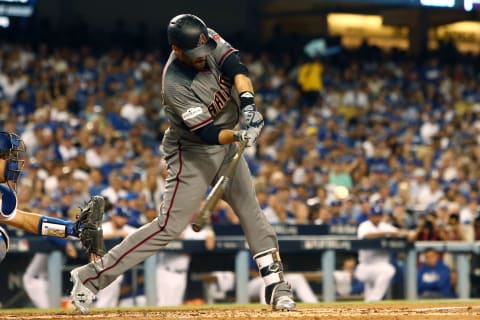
pixel 191 113
pixel 202 39
pixel 220 97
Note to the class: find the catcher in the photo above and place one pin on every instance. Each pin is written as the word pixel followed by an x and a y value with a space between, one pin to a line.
pixel 87 227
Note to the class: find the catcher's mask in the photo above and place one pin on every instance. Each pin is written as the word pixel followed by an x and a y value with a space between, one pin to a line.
pixel 12 149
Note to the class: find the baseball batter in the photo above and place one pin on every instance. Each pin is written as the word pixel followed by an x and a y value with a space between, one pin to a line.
pixel 206 91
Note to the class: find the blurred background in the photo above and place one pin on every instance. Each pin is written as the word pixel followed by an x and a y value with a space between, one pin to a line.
pixel 381 97
pixel 249 24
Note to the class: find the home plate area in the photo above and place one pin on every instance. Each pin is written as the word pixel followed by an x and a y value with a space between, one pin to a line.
pixel 424 310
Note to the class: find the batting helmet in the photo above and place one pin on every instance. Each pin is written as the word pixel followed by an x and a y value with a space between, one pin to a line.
pixel 4 242
pixel 12 150
pixel 190 33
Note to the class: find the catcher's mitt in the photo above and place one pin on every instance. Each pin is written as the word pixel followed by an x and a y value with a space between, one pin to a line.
pixel 89 226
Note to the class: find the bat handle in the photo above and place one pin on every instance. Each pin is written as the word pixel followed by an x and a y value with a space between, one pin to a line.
pixel 196 227
pixel 202 220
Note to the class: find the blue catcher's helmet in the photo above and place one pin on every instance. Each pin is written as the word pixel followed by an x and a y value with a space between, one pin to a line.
pixel 4 242
pixel 12 150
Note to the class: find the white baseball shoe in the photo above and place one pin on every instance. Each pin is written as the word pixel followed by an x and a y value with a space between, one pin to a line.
pixel 81 296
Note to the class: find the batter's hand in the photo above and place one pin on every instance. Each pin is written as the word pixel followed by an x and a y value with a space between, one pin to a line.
pixel 250 135
pixel 252 117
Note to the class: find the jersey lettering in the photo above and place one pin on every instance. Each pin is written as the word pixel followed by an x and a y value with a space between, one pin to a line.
pixel 225 84
pixel 220 97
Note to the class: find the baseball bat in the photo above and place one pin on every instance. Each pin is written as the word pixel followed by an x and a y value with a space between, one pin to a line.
pixel 217 191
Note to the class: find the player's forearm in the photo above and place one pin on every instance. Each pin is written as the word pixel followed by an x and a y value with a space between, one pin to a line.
pixel 26 221
pixel 243 83
pixel 385 234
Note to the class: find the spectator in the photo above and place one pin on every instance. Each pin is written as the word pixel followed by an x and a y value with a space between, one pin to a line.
pixel 453 228
pixel 322 215
pixel 429 195
pixel 400 218
pixel 363 210
pixel 428 230
pixel 374 268
pixel 95 184
pixel 133 110
pixel 93 155
pixel 310 80
pixel 115 228
pixel 476 226
pixel 335 207
pixel 114 189
pixel 345 281
pixel 433 278
pixel 281 211
pixel 172 268
pixel 154 185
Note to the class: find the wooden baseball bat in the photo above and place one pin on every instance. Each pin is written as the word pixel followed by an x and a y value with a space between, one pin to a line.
pixel 216 193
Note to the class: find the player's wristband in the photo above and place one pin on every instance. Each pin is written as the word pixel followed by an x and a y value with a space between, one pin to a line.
pixel 246 99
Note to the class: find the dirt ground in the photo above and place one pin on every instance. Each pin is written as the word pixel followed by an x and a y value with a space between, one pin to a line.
pixel 468 310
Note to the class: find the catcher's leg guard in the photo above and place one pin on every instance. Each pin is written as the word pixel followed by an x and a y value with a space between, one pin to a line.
pixel 277 292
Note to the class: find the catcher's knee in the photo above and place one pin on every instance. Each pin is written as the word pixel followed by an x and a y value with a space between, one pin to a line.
pixel 4 242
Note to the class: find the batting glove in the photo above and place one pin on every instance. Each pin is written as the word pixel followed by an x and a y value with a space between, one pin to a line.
pixel 250 135
pixel 252 117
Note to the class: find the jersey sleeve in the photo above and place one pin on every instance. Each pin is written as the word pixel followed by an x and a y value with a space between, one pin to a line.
pixel 223 49
pixel 363 229
pixel 188 107
pixel 386 227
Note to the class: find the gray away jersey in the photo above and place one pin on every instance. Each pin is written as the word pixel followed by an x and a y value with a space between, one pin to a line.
pixel 196 98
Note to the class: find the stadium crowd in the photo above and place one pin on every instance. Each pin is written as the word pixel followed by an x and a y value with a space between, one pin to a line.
pixel 396 131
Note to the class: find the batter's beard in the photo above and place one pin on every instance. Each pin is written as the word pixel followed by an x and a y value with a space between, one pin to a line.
pixel 197 63
pixel 200 63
